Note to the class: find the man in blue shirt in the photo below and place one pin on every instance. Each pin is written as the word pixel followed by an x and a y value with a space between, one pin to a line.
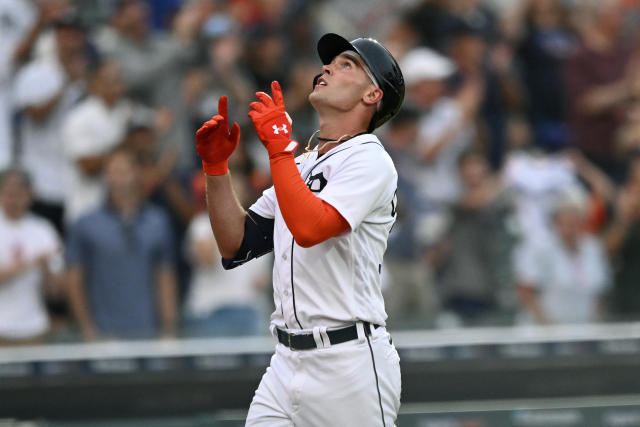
pixel 121 262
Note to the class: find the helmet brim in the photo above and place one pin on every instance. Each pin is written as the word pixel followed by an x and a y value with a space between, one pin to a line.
pixel 331 45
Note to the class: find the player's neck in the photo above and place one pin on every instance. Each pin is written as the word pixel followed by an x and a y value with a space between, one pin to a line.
pixel 338 128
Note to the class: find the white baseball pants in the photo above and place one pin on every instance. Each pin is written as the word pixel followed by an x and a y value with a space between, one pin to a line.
pixel 356 383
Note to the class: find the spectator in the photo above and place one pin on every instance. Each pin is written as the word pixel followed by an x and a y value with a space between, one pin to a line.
pixel 224 73
pixel 428 21
pixel 446 125
pixel 221 302
pixel 148 59
pixel 543 48
pixel 472 259
pixel 628 135
pixel 90 132
pixel 154 64
pixel 162 183
pixel 266 59
pixel 408 285
pixel 489 66
pixel 46 91
pixel 563 278
pixel 600 78
pixel 29 258
pixel 623 244
pixel 534 177
pixel 121 265
pixel 17 22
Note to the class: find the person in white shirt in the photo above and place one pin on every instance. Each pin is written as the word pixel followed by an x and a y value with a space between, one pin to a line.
pixel 562 278
pixel 45 91
pixel 16 18
pixel 445 128
pixel 91 131
pixel 30 256
pixel 327 219
pixel 219 302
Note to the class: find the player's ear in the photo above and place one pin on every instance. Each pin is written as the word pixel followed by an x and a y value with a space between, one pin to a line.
pixel 373 95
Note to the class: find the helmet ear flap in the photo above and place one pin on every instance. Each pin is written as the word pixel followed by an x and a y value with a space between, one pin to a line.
pixel 315 80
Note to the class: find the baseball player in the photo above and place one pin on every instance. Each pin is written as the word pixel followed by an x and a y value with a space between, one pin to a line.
pixel 326 219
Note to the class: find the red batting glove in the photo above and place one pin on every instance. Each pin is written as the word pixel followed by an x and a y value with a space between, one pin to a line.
pixel 215 143
pixel 271 122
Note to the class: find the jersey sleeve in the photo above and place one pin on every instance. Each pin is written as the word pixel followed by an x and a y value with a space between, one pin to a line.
pixel 267 204
pixel 362 186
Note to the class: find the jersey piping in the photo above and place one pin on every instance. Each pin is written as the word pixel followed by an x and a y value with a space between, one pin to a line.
pixel 293 241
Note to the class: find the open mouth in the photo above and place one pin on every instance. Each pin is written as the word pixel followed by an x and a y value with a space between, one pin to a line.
pixel 321 82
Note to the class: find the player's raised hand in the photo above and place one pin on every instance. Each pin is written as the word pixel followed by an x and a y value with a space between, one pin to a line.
pixel 215 142
pixel 271 121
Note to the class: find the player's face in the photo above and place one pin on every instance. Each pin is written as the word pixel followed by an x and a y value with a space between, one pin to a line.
pixel 343 85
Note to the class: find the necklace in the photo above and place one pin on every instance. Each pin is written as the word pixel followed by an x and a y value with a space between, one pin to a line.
pixel 327 141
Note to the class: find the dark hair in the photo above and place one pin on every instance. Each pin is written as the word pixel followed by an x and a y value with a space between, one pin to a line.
pixel 69 21
pixel 17 171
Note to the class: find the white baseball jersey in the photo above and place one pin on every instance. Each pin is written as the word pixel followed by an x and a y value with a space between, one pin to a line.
pixel 336 282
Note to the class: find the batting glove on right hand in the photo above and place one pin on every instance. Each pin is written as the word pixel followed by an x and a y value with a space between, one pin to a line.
pixel 215 142
pixel 272 123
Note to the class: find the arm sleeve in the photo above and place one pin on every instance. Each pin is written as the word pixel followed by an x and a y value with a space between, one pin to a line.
pixel 310 219
pixel 257 240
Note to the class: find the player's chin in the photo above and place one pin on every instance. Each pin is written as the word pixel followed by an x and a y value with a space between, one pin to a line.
pixel 315 97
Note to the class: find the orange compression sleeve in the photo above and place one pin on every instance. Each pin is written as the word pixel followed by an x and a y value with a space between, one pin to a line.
pixel 310 219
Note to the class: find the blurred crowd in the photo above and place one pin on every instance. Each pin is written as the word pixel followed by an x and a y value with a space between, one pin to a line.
pixel 517 150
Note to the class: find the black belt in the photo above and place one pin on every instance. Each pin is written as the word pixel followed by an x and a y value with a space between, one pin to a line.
pixel 336 336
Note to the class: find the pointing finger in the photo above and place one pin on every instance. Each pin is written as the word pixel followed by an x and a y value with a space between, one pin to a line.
pixel 276 91
pixel 223 108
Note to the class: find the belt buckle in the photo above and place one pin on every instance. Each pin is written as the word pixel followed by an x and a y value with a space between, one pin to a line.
pixel 289 341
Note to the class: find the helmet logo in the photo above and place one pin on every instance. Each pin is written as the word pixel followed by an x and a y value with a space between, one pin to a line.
pixel 276 129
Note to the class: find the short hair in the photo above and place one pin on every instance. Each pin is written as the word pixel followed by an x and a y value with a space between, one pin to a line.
pixel 16 171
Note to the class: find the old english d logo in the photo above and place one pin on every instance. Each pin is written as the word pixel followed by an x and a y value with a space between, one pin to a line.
pixel 316 182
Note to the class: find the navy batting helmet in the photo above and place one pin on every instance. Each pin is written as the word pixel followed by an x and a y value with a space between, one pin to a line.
pixel 380 62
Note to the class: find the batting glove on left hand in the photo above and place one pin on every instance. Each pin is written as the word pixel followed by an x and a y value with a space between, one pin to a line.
pixel 215 143
pixel 272 123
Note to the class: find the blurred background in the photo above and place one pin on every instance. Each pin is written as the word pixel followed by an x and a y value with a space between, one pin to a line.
pixel 512 275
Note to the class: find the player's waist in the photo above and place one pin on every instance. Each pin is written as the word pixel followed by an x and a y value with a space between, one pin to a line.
pixel 320 337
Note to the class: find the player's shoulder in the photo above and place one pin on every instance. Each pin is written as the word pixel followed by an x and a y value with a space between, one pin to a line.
pixel 368 148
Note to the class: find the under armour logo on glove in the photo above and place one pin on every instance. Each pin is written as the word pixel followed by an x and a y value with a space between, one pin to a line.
pixel 272 123
pixel 276 129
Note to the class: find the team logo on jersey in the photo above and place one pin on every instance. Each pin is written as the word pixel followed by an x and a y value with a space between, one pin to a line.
pixel 316 182
pixel 277 130
pixel 394 203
